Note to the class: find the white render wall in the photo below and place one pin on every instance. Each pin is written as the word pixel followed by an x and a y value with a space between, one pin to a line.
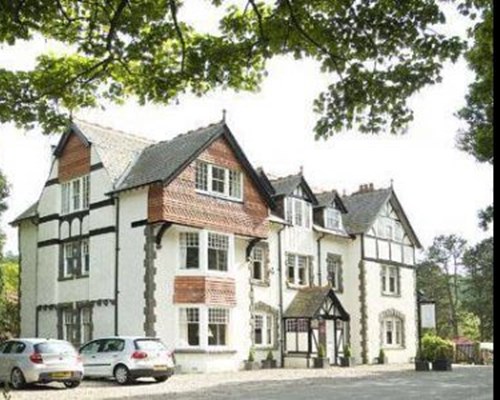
pixel 28 264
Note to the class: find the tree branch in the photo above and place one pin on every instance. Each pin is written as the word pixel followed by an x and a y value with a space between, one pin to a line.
pixel 113 24
pixel 173 10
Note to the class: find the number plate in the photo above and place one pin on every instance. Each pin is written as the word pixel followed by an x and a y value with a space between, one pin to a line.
pixel 160 367
pixel 61 375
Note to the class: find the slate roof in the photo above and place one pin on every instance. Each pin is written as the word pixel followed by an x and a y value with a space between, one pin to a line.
pixel 325 199
pixel 363 208
pixel 163 160
pixel 308 301
pixel 116 149
pixel 284 186
pixel 30 212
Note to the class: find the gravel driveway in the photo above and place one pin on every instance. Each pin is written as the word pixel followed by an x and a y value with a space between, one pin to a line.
pixel 360 382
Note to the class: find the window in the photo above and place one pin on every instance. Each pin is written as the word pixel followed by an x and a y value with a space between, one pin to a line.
pixel 390 279
pixel 70 259
pixel 298 267
pixel 219 181
pixel 85 324
pixel 333 270
pixel 298 212
pixel 75 195
pixel 218 246
pixel 263 328
pixel 190 250
pixel 332 218
pixel 67 328
pixel 218 320
pixel 258 264
pixel 85 257
pixel 297 325
pixel 190 326
pixel 393 332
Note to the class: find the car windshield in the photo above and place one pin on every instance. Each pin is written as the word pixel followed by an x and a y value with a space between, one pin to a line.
pixel 54 347
pixel 149 344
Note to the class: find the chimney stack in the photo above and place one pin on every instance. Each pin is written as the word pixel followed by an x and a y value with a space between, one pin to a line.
pixel 366 188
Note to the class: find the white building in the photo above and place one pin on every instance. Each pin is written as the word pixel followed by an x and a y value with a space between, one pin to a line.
pixel 186 241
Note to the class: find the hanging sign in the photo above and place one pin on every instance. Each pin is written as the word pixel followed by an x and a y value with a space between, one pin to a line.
pixel 428 315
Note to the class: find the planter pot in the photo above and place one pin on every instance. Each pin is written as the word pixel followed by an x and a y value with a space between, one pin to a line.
pixel 382 360
pixel 422 365
pixel 251 365
pixel 346 361
pixel 441 365
pixel 266 364
pixel 321 362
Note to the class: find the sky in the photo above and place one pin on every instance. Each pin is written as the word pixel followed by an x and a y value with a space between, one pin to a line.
pixel 440 187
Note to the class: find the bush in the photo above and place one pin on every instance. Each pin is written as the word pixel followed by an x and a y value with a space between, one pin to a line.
pixel 347 351
pixel 251 355
pixel 321 351
pixel 436 348
pixel 381 356
pixel 270 356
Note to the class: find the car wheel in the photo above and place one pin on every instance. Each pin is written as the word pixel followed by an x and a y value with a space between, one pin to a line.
pixel 71 384
pixel 122 375
pixel 17 379
pixel 161 378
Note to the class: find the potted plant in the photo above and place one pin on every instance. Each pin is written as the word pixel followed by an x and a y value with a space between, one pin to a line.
pixel 381 359
pixel 443 356
pixel 269 361
pixel 250 363
pixel 421 362
pixel 321 361
pixel 346 360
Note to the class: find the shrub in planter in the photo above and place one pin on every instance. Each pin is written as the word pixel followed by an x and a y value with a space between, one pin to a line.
pixel 438 351
pixel 421 363
pixel 381 359
pixel 346 360
pixel 269 362
pixel 321 361
pixel 250 363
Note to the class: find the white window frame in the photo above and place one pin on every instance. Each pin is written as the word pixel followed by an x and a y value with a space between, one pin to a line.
pixel 232 181
pixel 85 324
pixel 220 243
pixel 294 281
pixel 75 195
pixel 390 272
pixel 189 239
pixel 85 257
pixel 187 316
pixel 333 267
pixel 258 259
pixel 73 248
pixel 298 212
pixel 266 326
pixel 218 316
pixel 67 324
pixel 333 215
pixel 394 326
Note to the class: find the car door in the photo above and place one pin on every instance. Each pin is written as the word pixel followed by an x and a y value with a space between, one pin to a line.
pixel 17 356
pixel 110 354
pixel 4 376
pixel 90 357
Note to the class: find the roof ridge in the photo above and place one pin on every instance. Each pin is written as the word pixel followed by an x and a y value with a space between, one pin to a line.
pixel 285 177
pixel 109 129
pixel 191 131
pixel 367 192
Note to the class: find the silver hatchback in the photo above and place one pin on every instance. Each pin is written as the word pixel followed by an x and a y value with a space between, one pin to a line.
pixel 24 361
pixel 127 358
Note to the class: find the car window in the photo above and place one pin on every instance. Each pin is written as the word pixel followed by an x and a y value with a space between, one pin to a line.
pixel 3 347
pixel 112 345
pixel 92 347
pixel 17 348
pixel 149 344
pixel 54 347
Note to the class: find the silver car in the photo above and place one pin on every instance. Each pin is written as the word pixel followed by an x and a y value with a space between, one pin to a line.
pixel 127 358
pixel 24 361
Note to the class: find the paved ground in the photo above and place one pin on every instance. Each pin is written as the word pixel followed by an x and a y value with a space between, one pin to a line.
pixel 389 382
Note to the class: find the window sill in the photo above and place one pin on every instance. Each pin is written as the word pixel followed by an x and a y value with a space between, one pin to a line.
pixel 71 278
pixel 261 283
pixel 219 196
pixel 391 348
pixel 296 286
pixel 387 294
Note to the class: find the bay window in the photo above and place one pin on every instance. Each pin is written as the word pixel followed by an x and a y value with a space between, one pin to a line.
pixel 218 320
pixel 218 246
pixel 190 250
pixel 189 321
pixel 219 181
pixel 202 250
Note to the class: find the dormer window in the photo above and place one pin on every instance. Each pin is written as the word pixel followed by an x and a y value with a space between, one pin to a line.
pixel 219 181
pixel 298 212
pixel 332 218
pixel 75 195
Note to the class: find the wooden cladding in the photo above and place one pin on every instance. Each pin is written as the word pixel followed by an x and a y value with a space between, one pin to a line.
pixel 215 291
pixel 179 202
pixel 74 160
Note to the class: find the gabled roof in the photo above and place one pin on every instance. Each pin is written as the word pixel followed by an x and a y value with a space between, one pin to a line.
pixel 163 161
pixel 308 302
pixel 116 149
pixel 285 186
pixel 327 199
pixel 30 212
pixel 364 207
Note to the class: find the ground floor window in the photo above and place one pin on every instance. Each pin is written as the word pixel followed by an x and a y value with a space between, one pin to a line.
pixel 392 328
pixel 203 326
pixel 218 320
pixel 189 326
pixel 75 324
pixel 263 330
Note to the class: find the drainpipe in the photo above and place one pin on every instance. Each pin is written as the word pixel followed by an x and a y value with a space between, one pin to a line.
pixel 117 251
pixel 318 241
pixel 282 331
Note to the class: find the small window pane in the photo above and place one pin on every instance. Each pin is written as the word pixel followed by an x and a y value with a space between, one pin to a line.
pixel 201 176
pixel 298 212
pixel 235 184
pixel 218 180
pixel 76 202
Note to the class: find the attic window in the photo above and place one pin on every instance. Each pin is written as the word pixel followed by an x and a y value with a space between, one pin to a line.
pixel 332 218
pixel 219 181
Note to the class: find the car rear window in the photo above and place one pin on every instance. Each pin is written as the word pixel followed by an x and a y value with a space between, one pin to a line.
pixel 149 344
pixel 54 347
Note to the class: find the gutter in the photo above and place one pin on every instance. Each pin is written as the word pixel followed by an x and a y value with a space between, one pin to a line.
pixel 117 252
pixel 318 241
